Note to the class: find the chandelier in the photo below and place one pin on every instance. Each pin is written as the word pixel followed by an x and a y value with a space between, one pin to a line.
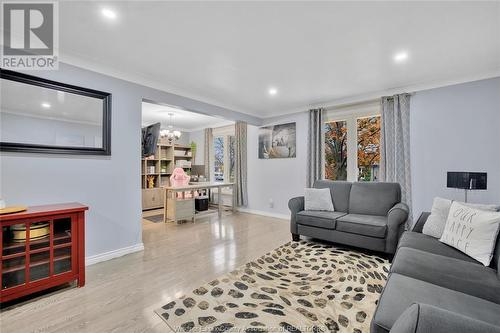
pixel 169 132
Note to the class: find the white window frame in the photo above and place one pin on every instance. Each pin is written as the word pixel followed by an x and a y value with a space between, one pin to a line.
pixel 350 114
pixel 225 132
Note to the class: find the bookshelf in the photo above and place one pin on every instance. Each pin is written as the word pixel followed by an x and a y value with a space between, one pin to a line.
pixel 183 157
pixel 156 171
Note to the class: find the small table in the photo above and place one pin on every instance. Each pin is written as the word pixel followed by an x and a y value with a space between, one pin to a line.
pixel 183 208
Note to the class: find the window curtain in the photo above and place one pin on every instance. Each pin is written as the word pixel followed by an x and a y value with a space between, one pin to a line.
pixel 315 147
pixel 209 141
pixel 395 144
pixel 241 163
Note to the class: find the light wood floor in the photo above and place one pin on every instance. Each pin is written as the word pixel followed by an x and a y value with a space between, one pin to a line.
pixel 121 294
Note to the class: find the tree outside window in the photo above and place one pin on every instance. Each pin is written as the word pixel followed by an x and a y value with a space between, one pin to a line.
pixel 368 148
pixel 232 158
pixel 352 148
pixel 224 158
pixel 336 150
pixel 219 158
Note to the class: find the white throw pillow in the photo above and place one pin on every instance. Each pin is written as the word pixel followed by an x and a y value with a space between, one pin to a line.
pixel 472 231
pixel 435 223
pixel 491 208
pixel 318 199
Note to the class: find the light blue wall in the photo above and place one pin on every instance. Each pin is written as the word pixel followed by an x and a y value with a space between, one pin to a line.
pixel 455 128
pixel 452 128
pixel 272 182
pixel 110 186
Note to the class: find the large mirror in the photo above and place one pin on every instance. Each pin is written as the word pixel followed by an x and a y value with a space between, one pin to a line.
pixel 43 116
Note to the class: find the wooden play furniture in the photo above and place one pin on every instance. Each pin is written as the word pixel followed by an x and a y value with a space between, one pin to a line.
pixel 31 265
pixel 158 169
pixel 181 207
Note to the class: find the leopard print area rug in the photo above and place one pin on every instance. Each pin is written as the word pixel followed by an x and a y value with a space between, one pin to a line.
pixel 298 287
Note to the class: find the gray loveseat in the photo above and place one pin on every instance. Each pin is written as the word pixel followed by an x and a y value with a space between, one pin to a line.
pixel 433 287
pixel 367 215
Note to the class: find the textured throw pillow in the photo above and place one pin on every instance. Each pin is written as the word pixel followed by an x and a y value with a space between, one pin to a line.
pixel 318 199
pixel 472 231
pixel 491 208
pixel 435 223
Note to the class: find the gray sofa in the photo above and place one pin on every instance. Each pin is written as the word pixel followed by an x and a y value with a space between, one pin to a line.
pixel 433 287
pixel 367 215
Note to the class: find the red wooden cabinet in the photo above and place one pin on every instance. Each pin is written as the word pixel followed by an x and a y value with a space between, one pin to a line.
pixel 34 261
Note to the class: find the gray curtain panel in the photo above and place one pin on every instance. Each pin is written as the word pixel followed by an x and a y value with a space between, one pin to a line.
pixel 241 163
pixel 395 144
pixel 209 141
pixel 315 147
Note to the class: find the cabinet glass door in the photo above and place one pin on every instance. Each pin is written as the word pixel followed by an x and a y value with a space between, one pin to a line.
pixel 46 252
pixel 13 257
pixel 39 247
pixel 62 245
pixel 39 265
pixel 13 272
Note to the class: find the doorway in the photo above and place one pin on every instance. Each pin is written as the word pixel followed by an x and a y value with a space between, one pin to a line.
pixel 179 142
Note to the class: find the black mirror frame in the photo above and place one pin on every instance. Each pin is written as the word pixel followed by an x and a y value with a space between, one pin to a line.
pixel 48 149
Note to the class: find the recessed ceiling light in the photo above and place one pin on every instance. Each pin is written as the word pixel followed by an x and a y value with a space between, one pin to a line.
pixel 45 105
pixel 401 56
pixel 273 91
pixel 108 13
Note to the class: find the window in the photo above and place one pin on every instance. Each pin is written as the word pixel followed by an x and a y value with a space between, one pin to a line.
pixel 352 143
pixel 368 148
pixel 219 158
pixel 224 154
pixel 336 150
pixel 232 158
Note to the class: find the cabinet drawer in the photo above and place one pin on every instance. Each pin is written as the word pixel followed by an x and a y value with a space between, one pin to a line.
pixel 180 209
pixel 152 198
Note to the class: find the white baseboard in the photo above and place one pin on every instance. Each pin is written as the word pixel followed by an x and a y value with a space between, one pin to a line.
pixel 90 260
pixel 264 213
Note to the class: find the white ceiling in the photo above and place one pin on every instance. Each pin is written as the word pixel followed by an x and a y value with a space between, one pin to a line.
pixel 182 120
pixel 231 53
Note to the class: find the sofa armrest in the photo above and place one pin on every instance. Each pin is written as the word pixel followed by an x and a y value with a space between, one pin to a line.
pixel 396 220
pixel 402 208
pixel 296 205
pixel 419 225
pixel 423 318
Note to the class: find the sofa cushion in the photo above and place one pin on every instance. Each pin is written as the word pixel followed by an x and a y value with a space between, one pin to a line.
pixel 430 244
pixel 402 291
pixel 319 219
pixel 424 318
pixel 340 193
pixel 451 273
pixel 373 198
pixel 367 225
